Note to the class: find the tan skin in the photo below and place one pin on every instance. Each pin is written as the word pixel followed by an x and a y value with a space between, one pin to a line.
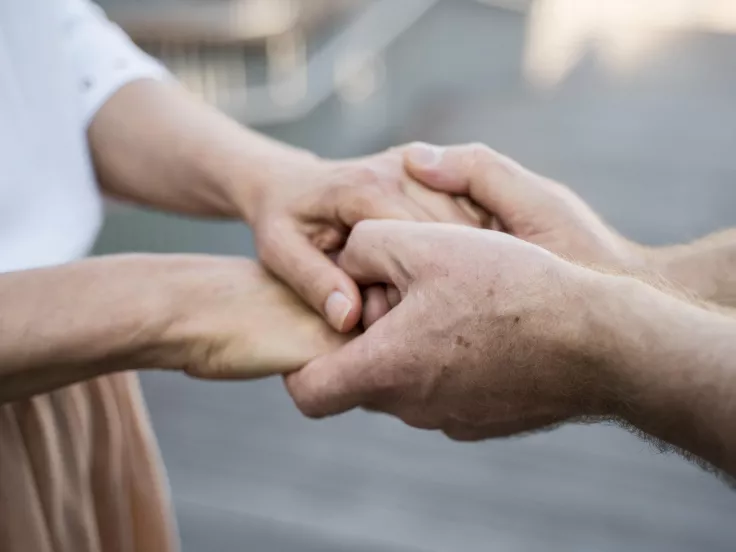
pixel 551 215
pixel 494 335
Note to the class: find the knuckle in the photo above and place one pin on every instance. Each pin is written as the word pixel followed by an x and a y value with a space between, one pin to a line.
pixel 327 239
pixel 368 197
pixel 414 144
pixel 484 158
pixel 365 175
pixel 363 203
pixel 305 399
pixel 367 237
pixel 204 359
pixel 488 163
pixel 363 229
pixel 478 148
pixel 476 153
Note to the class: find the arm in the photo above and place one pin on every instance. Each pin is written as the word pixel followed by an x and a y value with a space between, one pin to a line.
pixel 669 367
pixel 551 215
pixel 706 267
pixel 153 143
pixel 494 336
pixel 209 316
pixel 66 324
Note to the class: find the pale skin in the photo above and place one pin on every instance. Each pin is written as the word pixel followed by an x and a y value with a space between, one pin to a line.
pixel 493 335
pixel 154 144
pixel 211 317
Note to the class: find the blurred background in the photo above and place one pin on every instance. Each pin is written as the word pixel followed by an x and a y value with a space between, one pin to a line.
pixel 631 103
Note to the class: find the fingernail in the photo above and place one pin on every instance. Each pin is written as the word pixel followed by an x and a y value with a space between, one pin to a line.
pixel 337 308
pixel 424 155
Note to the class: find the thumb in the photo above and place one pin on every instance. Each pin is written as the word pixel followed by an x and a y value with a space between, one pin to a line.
pixel 492 180
pixel 344 379
pixel 310 273
pixel 387 252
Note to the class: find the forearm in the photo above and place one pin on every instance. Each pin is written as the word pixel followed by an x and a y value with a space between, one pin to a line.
pixel 670 369
pixel 706 267
pixel 70 323
pixel 155 144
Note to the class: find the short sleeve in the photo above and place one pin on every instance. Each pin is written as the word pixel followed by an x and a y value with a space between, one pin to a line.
pixel 103 56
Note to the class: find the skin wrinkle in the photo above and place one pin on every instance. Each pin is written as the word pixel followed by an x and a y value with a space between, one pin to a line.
pixel 565 328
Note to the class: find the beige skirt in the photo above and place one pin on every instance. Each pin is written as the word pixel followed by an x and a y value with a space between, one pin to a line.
pixel 80 472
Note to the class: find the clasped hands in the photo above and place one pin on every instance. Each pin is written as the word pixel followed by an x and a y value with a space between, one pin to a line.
pixel 474 331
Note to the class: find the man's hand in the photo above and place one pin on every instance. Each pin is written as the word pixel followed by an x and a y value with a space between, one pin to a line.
pixel 551 215
pixel 490 337
pixel 525 204
pixel 494 336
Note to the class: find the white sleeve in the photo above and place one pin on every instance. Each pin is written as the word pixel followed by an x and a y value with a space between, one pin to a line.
pixel 103 56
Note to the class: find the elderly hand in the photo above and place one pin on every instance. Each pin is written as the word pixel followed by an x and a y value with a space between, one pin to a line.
pixel 491 336
pixel 525 204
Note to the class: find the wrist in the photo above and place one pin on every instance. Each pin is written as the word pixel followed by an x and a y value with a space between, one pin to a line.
pixel 594 360
pixel 121 309
pixel 249 168
pixel 184 288
pixel 206 321
pixel 669 368
pixel 267 178
pixel 145 308
pixel 643 339
pixel 570 339
pixel 156 302
pixel 625 318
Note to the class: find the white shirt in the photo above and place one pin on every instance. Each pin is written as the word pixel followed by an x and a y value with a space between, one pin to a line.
pixel 60 60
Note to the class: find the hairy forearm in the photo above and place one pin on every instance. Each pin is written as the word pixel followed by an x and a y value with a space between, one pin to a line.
pixel 70 323
pixel 706 268
pixel 670 369
pixel 155 144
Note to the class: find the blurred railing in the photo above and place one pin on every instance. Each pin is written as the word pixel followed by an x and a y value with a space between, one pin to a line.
pixel 221 21
pixel 270 61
